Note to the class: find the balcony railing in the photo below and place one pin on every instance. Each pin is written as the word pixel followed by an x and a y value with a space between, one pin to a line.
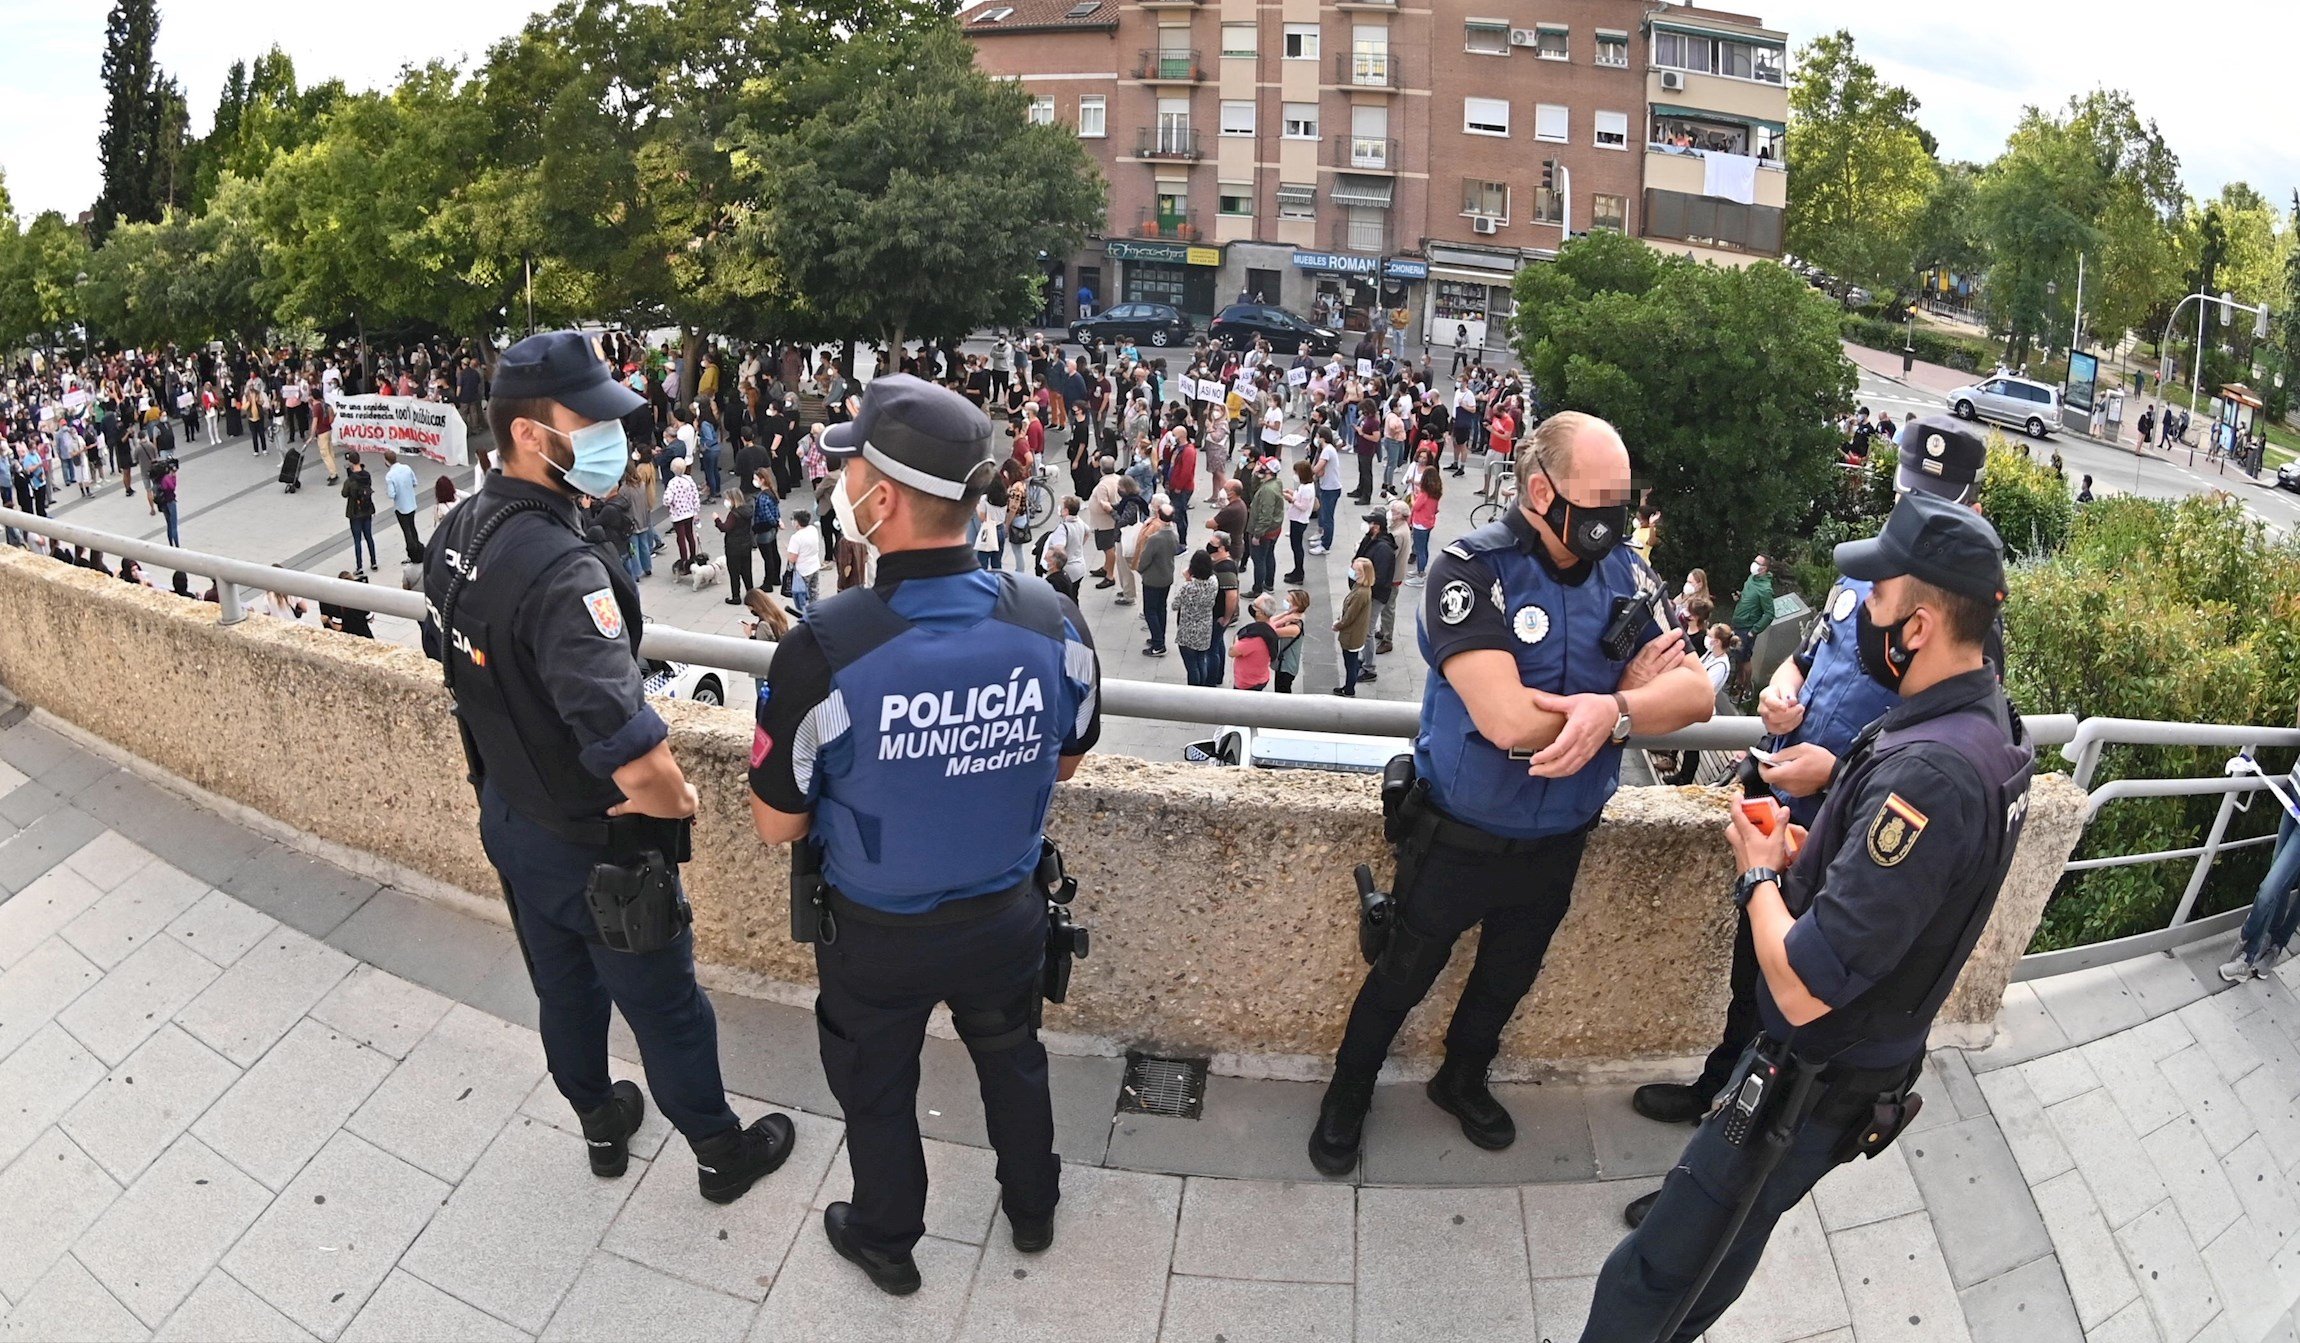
pixel 1367 68
pixel 1167 142
pixel 1371 237
pixel 1366 153
pixel 1152 223
pixel 1169 67
pixel 1366 4
pixel 1168 4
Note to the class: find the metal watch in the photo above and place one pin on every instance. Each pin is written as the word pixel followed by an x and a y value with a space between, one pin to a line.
pixel 1750 881
pixel 1621 724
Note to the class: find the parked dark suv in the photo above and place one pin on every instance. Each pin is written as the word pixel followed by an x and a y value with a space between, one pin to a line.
pixel 1237 325
pixel 1158 324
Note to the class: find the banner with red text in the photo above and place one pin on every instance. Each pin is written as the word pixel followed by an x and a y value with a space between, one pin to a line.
pixel 403 424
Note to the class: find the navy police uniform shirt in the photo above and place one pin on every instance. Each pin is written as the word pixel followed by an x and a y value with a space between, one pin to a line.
pixel 925 738
pixel 1497 588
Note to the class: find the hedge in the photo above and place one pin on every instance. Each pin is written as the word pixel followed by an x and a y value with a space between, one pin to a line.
pixel 1931 346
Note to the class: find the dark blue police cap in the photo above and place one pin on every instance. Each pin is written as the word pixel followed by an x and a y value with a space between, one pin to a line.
pixel 1941 456
pixel 567 367
pixel 1928 538
pixel 917 434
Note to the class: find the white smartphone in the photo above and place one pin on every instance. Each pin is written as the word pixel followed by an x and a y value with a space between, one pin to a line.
pixel 1762 757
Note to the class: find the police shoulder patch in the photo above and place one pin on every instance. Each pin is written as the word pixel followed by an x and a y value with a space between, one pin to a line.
pixel 1455 601
pixel 1842 606
pixel 604 613
pixel 1894 833
pixel 1531 624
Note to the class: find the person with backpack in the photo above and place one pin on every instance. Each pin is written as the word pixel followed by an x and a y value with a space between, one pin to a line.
pixel 358 491
pixel 767 529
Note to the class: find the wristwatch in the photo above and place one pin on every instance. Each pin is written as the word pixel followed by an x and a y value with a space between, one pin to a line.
pixel 1750 881
pixel 1621 724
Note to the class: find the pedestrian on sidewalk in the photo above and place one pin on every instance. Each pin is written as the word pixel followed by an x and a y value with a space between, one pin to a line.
pixel 681 505
pixel 2275 915
pixel 1355 624
pixel 399 483
pixel 358 492
pixel 1154 552
pixel 734 524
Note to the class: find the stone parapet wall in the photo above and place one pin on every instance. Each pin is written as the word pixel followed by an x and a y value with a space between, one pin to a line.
pixel 1221 900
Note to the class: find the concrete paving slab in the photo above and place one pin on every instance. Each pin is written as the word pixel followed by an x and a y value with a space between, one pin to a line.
pixel 1439 1263
pixel 2088 1004
pixel 961 1190
pixel 1869 1190
pixel 2128 1072
pixel 194 839
pixel 56 1191
pixel 821 1298
pixel 137 909
pixel 406 1309
pixel 1627 1144
pixel 2035 1143
pixel 308 894
pixel 32 851
pixel 2166 1263
pixel 2109 1155
pixel 42 984
pixel 1411 1141
pixel 2252 1300
pixel 261 997
pixel 1199 1310
pixel 2273 1109
pixel 545 1103
pixel 220 1310
pixel 2060 1077
pixel 41 908
pixel 141 1107
pixel 1956 1083
pixel 1249 1128
pixel 1794 1292
pixel 1114 1242
pixel 2220 1117
pixel 136 998
pixel 2216 1034
pixel 442 1107
pixel 34 749
pixel 2025 1030
pixel 2098 1281
pixel 1896 1283
pixel 70 1303
pixel 1979 1203
pixel 1268 1230
pixel 2028 1305
pixel 2200 1191
pixel 442 949
pixel 771 1049
pixel 2161 981
pixel 2130 1325
pixel 23 805
pixel 731 1248
pixel 2269 1201
pixel 615 1299
pixel 109 859
pixel 221 928
pixel 283 1112
pixel 1561 1308
pixel 157 1240
pixel 1570 1229
pixel 382 1011
pixel 39 1083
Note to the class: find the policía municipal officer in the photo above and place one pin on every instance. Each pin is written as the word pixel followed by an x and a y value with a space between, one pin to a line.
pixel 1818 700
pixel 578 791
pixel 908 744
pixel 1522 725
pixel 1863 937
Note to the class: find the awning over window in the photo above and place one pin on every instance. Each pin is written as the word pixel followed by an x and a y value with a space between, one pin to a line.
pixel 1353 189
pixel 1290 193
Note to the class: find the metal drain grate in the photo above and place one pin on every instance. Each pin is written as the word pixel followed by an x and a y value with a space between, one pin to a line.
pixel 1159 1086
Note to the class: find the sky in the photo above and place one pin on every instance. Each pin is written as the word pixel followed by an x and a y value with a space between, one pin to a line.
pixel 2210 77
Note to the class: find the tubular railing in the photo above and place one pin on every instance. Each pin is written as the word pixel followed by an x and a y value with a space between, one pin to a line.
pixel 2081 742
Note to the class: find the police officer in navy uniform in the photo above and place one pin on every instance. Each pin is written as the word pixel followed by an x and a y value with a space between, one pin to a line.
pixel 1522 727
pixel 1860 939
pixel 575 769
pixel 1817 702
pixel 909 739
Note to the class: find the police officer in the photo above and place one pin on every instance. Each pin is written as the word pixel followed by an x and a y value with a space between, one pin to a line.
pixel 577 785
pixel 1818 700
pixel 1522 726
pixel 1862 939
pixel 908 742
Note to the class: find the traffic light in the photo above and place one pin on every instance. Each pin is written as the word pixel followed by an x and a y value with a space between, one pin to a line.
pixel 1549 174
pixel 2260 323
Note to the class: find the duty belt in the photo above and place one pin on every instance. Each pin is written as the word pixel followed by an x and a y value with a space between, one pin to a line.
pixel 949 911
pixel 1455 834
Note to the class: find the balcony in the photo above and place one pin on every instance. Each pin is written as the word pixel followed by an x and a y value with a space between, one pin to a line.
pixel 1367 68
pixel 1181 227
pixel 1169 67
pixel 1169 144
pixel 1365 154
pixel 1168 4
pixel 1368 236
pixel 1385 6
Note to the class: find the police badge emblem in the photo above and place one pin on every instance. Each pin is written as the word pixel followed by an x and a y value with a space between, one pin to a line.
pixel 1454 603
pixel 1895 831
pixel 1531 624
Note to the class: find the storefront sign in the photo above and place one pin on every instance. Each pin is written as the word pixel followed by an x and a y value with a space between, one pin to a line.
pixel 402 424
pixel 1335 261
pixel 1399 268
pixel 1172 253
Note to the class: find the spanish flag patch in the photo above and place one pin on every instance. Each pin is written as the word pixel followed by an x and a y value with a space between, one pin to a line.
pixel 1894 833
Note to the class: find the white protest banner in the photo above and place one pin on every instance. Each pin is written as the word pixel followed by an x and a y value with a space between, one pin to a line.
pixel 1187 388
pixel 1210 389
pixel 1297 377
pixel 1249 393
pixel 76 400
pixel 402 424
pixel 1365 368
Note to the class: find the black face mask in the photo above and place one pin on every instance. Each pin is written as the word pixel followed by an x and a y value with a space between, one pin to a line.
pixel 1590 533
pixel 1883 656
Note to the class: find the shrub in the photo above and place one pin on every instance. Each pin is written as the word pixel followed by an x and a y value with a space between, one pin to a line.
pixel 1931 346
pixel 2029 504
pixel 2154 609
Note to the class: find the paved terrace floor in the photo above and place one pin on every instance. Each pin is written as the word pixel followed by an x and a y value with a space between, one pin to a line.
pixel 246 1094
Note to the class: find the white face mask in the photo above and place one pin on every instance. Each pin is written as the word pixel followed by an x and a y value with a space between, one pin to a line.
pixel 1690 589
pixel 1756 569
pixel 843 508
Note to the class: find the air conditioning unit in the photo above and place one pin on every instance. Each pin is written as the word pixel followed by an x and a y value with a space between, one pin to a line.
pixel 1484 224
pixel 1673 81
pixel 1524 37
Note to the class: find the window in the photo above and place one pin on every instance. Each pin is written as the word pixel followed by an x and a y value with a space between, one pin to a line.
pixel 1042 109
pixel 1770 65
pixel 1301 41
pixel 1768 145
pixel 1238 118
pixel 1485 116
pixel 1613 130
pixel 1236 198
pixel 1551 43
pixel 1241 39
pixel 1613 49
pixel 1301 120
pixel 1296 201
pixel 1486 39
pixel 1683 51
pixel 1547 206
pixel 998 15
pixel 1552 122
pixel 1490 199
pixel 1093 116
pixel 1609 212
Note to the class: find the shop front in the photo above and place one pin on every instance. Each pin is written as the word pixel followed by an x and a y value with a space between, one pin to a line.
pixel 1358 295
pixel 1470 298
pixel 1181 274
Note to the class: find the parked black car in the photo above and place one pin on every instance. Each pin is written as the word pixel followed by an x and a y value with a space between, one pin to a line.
pixel 1159 324
pixel 1237 325
pixel 2288 477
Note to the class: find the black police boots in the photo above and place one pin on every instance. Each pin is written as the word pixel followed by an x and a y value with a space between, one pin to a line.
pixel 892 1275
pixel 1670 1102
pixel 728 1164
pixel 1032 1232
pixel 1341 1126
pixel 1634 1214
pixel 607 1130
pixel 1459 1089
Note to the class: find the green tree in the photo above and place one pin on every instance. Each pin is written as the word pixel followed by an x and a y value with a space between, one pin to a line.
pixel 913 197
pixel 1722 381
pixel 129 147
pixel 260 112
pixel 1860 170
pixel 39 282
pixel 1946 233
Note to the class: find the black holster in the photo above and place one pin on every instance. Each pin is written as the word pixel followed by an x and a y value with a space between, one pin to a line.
pixel 637 902
pixel 1067 940
pixel 1889 1103
pixel 1404 802
pixel 811 916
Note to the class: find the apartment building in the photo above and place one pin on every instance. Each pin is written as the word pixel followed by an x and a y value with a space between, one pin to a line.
pixel 1382 166
pixel 1717 104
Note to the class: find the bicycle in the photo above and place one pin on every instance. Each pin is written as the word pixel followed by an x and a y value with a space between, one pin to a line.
pixel 1038 498
pixel 1503 498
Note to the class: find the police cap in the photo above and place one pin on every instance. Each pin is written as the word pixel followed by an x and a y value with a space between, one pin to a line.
pixel 567 367
pixel 1928 538
pixel 1940 456
pixel 917 434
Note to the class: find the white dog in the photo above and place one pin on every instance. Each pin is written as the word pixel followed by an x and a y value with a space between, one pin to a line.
pixel 706 572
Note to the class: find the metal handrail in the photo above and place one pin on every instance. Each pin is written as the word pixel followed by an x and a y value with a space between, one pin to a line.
pixel 2083 750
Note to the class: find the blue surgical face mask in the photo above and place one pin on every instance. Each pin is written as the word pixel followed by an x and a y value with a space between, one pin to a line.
pixel 602 452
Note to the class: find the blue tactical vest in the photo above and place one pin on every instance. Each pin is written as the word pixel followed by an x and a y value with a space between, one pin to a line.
pixel 959 703
pixel 1839 698
pixel 1557 626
